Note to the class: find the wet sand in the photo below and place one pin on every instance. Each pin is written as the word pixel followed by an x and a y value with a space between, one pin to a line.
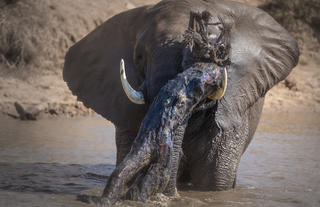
pixel 49 162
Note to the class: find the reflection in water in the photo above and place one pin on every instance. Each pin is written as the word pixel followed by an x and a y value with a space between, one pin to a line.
pixel 44 163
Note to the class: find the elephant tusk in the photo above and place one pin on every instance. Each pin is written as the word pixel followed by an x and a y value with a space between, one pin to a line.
pixel 217 95
pixel 134 96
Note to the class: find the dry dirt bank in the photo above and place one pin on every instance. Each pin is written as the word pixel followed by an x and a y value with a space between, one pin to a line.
pixel 35 35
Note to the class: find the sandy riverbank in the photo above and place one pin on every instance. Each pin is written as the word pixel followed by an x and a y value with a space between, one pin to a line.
pixel 32 53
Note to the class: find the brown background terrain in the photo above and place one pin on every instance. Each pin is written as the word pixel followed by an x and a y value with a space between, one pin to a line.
pixel 35 35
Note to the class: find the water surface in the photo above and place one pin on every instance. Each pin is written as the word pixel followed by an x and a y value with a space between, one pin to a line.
pixel 48 162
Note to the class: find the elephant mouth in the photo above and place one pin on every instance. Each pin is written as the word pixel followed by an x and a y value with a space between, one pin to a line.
pixel 152 163
pixel 137 97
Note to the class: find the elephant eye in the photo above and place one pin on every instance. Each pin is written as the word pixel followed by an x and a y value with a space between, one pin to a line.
pixel 221 54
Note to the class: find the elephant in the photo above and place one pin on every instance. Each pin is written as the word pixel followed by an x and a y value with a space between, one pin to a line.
pixel 160 44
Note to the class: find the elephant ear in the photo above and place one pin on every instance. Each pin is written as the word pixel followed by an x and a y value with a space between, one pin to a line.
pixel 262 54
pixel 91 69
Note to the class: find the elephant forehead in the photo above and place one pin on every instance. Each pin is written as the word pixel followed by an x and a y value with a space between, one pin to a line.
pixel 169 19
pixel 162 30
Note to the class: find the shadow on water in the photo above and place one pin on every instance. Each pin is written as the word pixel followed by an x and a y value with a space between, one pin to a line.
pixel 52 177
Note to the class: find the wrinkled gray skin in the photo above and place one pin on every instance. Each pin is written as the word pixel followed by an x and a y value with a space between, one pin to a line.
pixel 151 41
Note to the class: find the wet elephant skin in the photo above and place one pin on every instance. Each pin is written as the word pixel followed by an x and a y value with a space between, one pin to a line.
pixel 151 40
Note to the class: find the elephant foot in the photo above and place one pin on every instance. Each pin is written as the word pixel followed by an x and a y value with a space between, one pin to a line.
pixel 172 193
pixel 97 200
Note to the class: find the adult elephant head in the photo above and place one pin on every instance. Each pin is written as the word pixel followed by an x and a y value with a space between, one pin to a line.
pixel 152 40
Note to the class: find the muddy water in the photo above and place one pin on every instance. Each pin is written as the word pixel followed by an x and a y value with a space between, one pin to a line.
pixel 48 162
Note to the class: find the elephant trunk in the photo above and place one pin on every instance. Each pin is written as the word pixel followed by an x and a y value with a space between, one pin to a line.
pixel 151 165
